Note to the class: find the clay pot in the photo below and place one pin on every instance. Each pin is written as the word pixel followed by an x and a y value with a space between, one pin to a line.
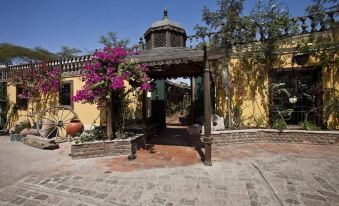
pixel 74 126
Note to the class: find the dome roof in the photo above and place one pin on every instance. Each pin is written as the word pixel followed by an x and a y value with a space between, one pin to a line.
pixel 165 33
pixel 165 22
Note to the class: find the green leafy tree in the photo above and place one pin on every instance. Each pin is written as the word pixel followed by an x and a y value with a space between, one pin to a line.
pixel 227 18
pixel 68 52
pixel 319 6
pixel 112 39
pixel 14 54
pixel 267 20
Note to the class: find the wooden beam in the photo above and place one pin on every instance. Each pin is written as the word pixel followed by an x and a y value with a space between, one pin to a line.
pixel 207 112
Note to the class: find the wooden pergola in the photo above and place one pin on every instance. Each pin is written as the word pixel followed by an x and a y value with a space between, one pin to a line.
pixel 173 62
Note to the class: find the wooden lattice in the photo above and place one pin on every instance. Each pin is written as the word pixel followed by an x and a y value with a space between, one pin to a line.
pixel 175 40
pixel 148 44
pixel 160 39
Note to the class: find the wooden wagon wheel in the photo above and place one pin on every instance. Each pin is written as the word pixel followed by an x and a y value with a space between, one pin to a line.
pixel 51 122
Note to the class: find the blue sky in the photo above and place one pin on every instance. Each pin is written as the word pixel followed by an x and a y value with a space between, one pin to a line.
pixel 79 23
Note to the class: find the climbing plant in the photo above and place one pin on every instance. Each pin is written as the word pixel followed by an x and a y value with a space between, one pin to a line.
pixel 106 78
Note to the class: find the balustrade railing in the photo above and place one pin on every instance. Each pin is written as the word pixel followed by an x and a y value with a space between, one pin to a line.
pixel 71 66
pixel 302 25
pixel 305 25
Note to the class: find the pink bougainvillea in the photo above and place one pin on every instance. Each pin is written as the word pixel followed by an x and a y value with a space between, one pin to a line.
pixel 107 73
pixel 105 80
pixel 37 81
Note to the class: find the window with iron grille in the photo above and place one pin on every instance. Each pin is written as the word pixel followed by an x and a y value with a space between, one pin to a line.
pixel 305 85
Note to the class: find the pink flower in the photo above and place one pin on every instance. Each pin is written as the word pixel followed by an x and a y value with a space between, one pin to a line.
pixel 146 86
pixel 117 83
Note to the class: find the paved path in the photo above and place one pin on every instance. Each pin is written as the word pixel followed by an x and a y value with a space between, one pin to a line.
pixel 253 174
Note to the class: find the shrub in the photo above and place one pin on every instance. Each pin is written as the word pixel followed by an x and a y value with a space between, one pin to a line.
pixel 279 124
pixel 307 125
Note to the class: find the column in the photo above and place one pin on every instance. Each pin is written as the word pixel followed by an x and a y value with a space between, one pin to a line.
pixel 207 112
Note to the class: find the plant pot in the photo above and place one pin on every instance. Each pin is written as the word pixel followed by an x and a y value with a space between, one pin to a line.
pixel 74 127
pixel 301 59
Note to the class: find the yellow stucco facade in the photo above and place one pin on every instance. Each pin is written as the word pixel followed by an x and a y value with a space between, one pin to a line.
pixel 87 113
pixel 249 88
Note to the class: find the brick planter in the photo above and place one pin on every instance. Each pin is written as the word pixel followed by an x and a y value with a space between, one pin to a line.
pixel 107 148
pixel 221 138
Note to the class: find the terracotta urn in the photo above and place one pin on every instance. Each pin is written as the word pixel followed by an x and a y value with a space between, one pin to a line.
pixel 74 126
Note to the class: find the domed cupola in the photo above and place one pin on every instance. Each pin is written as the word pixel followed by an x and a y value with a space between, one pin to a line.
pixel 165 33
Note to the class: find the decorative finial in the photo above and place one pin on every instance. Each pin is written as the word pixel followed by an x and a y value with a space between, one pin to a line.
pixel 165 14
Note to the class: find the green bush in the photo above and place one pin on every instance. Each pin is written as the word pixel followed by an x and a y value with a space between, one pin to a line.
pixel 91 135
pixel 279 124
pixel 307 125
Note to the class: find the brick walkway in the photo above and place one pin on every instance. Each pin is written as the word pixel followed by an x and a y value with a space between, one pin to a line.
pixel 159 156
pixel 248 174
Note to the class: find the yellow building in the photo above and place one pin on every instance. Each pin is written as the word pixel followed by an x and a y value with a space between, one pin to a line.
pixel 242 94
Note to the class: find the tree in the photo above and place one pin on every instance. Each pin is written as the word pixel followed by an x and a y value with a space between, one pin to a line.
pixel 111 39
pixel 68 52
pixel 227 19
pixel 266 20
pixel 105 79
pixel 319 6
pixel 14 54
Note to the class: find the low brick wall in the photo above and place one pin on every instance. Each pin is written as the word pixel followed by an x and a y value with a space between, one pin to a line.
pixel 107 148
pixel 221 138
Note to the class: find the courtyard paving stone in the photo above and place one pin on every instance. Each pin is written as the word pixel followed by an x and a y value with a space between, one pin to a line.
pixel 248 174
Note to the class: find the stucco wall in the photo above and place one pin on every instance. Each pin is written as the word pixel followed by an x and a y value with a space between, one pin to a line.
pixel 86 112
pixel 249 86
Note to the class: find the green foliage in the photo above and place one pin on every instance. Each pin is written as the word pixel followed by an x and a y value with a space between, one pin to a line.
pixel 307 125
pixel 112 39
pixel 10 53
pixel 91 135
pixel 68 52
pixel 282 110
pixel 259 122
pixel 319 6
pixel 237 114
pixel 172 108
pixel 272 21
pixel 279 124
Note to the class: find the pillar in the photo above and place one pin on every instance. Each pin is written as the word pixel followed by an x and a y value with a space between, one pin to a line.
pixel 207 112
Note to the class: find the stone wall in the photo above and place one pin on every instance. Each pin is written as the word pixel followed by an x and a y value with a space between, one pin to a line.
pixel 88 149
pixel 107 148
pixel 275 136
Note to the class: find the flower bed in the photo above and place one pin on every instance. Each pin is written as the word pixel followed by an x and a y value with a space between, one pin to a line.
pixel 115 147
pixel 221 138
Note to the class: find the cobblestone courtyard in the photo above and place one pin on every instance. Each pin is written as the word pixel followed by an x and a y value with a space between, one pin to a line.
pixel 248 174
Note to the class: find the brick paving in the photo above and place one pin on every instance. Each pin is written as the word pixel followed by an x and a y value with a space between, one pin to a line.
pixel 247 174
pixel 158 156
